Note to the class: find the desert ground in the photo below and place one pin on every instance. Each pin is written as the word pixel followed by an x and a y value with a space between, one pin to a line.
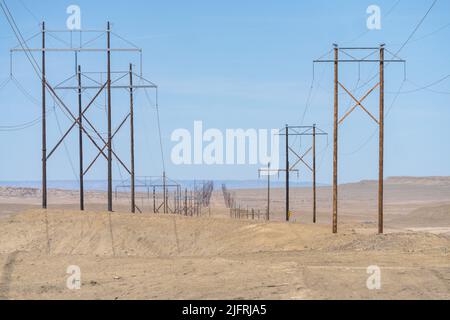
pixel 157 256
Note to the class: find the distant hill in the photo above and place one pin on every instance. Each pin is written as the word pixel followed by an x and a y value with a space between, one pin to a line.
pixel 101 185
pixel 420 180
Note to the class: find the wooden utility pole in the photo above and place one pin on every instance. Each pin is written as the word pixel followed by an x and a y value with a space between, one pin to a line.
pixel 314 177
pixel 44 125
pixel 335 140
pixel 268 193
pixel 133 183
pixel 313 131
pixel 381 148
pixel 80 138
pixel 287 174
pixel 110 200
pixel 296 131
pixel 79 119
pixel 379 121
pixel 164 193
pixel 186 202
pixel 154 200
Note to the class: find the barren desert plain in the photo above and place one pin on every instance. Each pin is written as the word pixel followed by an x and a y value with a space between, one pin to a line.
pixel 148 256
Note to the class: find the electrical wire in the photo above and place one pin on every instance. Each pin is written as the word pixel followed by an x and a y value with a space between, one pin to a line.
pixel 64 143
pixel 365 143
pixel 29 11
pixel 5 83
pixel 367 31
pixel 159 125
pixel 83 45
pixel 20 127
pixel 421 88
pixel 416 28
pixel 431 33
pixel 24 91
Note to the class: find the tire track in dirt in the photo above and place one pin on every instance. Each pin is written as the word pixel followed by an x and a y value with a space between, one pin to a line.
pixel 111 234
pixel 177 240
pixel 5 280
pixel 47 232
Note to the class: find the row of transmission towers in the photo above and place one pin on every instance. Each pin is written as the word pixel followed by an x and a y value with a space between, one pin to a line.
pixel 104 143
pixel 88 81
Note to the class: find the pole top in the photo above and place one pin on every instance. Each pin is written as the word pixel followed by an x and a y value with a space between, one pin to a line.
pixel 335 45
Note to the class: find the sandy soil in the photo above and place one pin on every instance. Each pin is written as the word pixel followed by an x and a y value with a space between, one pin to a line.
pixel 146 256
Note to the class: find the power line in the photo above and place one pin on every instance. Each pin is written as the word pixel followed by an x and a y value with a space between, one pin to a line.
pixel 20 38
pixel 25 93
pixel 29 11
pixel 421 88
pixel 365 143
pixel 64 142
pixel 360 36
pixel 399 91
pixel 20 127
pixel 26 50
pixel 431 33
pixel 159 125
pixel 417 27
pixel 367 31
pixel 4 83
pixel 429 90
pixel 311 94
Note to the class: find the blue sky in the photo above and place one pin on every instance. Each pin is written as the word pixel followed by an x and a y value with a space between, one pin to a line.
pixel 243 64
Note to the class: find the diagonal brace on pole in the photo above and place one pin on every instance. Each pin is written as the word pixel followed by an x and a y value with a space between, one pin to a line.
pixel 359 103
pixel 75 122
pixel 106 145
pixel 301 159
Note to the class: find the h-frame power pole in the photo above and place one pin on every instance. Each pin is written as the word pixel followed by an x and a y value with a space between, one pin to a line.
pixel 290 131
pixel 267 171
pixel 314 132
pixel 86 128
pixel 380 121
pixel 287 171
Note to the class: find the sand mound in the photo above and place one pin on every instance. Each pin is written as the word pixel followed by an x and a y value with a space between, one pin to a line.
pixel 402 242
pixel 19 192
pixel 423 181
pixel 101 234
pixel 124 256
pixel 439 214
pixel 430 216
pixel 94 233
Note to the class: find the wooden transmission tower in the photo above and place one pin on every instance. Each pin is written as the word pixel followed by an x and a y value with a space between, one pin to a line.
pixel 350 58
